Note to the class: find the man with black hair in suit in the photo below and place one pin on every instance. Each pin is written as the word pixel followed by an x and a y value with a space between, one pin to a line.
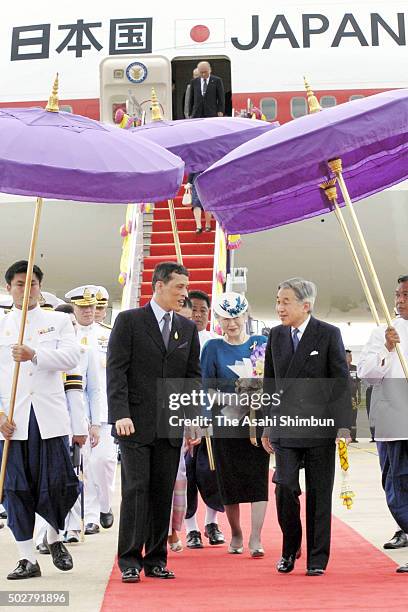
pixel 148 346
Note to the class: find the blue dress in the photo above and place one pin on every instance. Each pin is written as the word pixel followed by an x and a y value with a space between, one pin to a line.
pixel 242 469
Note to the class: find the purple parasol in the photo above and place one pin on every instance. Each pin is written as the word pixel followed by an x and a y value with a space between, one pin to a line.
pixel 70 157
pixel 274 179
pixel 47 153
pixel 201 142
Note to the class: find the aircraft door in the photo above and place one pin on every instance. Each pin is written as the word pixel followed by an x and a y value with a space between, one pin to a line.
pixel 126 83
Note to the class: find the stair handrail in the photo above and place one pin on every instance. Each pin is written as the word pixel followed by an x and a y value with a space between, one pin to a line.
pixel 219 269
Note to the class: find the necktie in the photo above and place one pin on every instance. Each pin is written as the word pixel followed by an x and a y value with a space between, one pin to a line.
pixel 166 329
pixel 295 339
pixel 204 86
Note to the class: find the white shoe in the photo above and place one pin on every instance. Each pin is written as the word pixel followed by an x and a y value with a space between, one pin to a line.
pixel 71 537
pixel 235 550
pixel 176 546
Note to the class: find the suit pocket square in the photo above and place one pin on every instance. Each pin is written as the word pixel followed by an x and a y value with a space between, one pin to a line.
pixel 314 353
pixel 182 345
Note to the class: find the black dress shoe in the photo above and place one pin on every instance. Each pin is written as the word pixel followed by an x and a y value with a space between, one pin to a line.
pixel 214 535
pixel 286 564
pixel 131 574
pixel 299 552
pixel 398 540
pixel 91 528
pixel 106 519
pixel 159 572
pixel 43 549
pixel 193 540
pixel 315 572
pixel 60 556
pixel 25 569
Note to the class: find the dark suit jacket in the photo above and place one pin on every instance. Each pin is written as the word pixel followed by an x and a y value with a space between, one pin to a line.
pixel 209 105
pixel 313 381
pixel 137 365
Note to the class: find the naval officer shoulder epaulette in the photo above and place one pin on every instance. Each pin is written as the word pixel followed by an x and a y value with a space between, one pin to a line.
pixel 106 325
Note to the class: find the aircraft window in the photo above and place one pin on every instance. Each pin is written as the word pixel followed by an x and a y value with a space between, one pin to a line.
pixel 327 101
pixel 67 108
pixel 356 97
pixel 298 107
pixel 269 107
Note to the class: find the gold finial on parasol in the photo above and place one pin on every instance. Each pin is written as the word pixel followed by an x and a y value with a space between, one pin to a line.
pixel 314 106
pixel 52 105
pixel 330 189
pixel 156 110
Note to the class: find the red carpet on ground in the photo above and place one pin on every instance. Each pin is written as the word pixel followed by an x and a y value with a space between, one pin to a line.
pixel 359 577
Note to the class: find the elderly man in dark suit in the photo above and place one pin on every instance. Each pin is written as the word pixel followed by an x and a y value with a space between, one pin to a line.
pixel 207 98
pixel 146 347
pixel 305 362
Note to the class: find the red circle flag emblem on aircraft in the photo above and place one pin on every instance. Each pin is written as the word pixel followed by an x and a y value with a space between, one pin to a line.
pixel 199 33
pixel 190 33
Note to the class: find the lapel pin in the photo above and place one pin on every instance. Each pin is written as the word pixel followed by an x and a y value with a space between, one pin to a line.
pixel 176 336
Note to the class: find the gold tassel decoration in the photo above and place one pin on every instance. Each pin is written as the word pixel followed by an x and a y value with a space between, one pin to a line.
pixel 346 493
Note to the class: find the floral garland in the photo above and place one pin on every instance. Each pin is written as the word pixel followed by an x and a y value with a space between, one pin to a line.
pixel 257 358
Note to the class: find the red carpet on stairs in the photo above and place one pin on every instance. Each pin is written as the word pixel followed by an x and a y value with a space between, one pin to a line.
pixel 359 577
pixel 197 249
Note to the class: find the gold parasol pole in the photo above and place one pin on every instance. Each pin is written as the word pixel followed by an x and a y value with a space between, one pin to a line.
pixel 157 116
pixel 336 167
pixel 330 190
pixel 51 107
pixel 16 372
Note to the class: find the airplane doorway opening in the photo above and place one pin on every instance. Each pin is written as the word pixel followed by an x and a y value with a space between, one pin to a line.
pixel 182 73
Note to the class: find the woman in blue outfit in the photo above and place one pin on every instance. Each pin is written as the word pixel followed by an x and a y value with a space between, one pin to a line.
pixel 241 464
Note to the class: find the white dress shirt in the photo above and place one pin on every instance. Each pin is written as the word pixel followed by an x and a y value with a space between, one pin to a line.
pixel 202 84
pixel 301 328
pixel 159 314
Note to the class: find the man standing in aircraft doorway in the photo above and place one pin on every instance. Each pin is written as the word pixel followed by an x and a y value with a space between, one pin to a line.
pixel 207 98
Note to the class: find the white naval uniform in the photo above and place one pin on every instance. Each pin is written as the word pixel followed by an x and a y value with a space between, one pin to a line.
pixel 101 467
pixel 92 408
pixel 52 336
pixel 389 399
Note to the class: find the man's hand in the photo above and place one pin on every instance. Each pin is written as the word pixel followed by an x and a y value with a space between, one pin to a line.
pixel 343 434
pixel 191 442
pixel 21 352
pixel 80 440
pixel 125 427
pixel 94 435
pixel 267 445
pixel 391 338
pixel 6 428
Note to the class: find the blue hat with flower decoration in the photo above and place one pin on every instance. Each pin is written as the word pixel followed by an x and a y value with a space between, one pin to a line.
pixel 230 305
